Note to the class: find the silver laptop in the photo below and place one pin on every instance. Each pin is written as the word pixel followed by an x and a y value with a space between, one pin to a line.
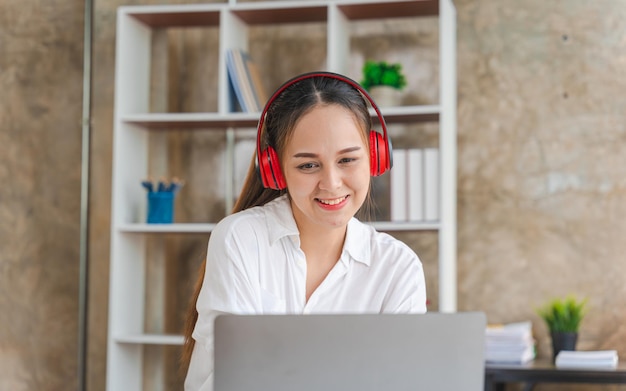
pixel 429 352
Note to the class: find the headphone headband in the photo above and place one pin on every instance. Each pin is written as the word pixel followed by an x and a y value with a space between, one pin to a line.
pixel 278 183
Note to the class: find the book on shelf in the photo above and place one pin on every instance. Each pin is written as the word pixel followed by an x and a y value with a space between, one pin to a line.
pixel 398 186
pixel 245 80
pixel 511 343
pixel 431 184
pixel 414 185
pixel 587 359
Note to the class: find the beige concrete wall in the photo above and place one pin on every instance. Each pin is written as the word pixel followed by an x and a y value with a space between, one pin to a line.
pixel 542 188
pixel 541 169
pixel 40 137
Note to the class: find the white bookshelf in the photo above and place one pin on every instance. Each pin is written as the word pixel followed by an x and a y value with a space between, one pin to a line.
pixel 134 122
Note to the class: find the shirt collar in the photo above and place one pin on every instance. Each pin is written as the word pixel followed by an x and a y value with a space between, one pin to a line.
pixel 280 223
pixel 357 243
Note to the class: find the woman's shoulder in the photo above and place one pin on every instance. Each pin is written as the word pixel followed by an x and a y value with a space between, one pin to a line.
pixel 251 217
pixel 383 245
pixel 257 219
pixel 385 241
pixel 375 236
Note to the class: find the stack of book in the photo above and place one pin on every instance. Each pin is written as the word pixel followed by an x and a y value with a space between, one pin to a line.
pixel 245 81
pixel 512 343
pixel 587 359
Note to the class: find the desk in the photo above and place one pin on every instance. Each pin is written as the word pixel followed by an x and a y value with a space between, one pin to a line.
pixel 544 371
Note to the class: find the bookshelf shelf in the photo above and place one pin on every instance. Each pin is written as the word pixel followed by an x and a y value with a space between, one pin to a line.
pixel 139 130
pixel 185 15
pixel 166 228
pixel 208 228
pixel 193 120
pixel 281 12
pixel 393 115
pixel 150 339
pixel 406 226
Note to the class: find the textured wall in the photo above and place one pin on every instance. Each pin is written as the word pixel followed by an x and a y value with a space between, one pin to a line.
pixel 541 173
pixel 40 137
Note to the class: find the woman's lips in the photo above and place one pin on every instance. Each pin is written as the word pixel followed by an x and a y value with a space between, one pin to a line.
pixel 332 203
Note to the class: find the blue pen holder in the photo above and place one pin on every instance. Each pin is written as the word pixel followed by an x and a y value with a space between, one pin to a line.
pixel 161 207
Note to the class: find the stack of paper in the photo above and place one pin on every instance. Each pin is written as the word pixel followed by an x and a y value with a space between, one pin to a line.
pixel 511 343
pixel 587 359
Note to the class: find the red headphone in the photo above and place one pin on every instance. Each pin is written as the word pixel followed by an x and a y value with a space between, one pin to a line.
pixel 267 162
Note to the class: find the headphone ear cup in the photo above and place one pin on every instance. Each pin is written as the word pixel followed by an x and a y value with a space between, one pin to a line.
pixel 380 154
pixel 269 170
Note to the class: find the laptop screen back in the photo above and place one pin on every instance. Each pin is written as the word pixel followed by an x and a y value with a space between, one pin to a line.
pixel 432 351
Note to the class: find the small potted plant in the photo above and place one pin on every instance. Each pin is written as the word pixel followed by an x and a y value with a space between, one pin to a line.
pixel 383 81
pixel 563 318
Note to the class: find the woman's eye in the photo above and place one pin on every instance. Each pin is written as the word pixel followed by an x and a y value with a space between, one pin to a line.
pixel 346 160
pixel 307 166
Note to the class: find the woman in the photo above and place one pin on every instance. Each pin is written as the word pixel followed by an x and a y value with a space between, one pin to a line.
pixel 293 245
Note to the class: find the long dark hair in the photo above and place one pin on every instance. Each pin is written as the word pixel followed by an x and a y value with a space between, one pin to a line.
pixel 284 112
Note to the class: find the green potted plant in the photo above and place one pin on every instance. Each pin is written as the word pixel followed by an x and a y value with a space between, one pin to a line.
pixel 383 81
pixel 563 318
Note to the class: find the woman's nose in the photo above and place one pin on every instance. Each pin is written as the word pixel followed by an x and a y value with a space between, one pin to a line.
pixel 330 178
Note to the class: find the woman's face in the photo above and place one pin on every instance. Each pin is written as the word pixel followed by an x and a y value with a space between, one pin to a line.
pixel 326 167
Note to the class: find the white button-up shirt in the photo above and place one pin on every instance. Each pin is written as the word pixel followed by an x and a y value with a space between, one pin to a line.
pixel 255 266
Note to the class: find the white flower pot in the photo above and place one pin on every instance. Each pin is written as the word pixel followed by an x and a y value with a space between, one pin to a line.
pixel 385 96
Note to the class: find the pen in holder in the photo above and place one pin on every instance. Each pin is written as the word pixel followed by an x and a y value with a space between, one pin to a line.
pixel 161 201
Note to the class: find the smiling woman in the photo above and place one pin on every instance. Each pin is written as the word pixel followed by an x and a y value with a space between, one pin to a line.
pixel 293 244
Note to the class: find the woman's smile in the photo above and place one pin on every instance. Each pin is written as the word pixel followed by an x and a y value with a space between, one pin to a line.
pixel 334 203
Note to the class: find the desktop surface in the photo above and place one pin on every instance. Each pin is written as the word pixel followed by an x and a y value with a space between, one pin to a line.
pixel 544 371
